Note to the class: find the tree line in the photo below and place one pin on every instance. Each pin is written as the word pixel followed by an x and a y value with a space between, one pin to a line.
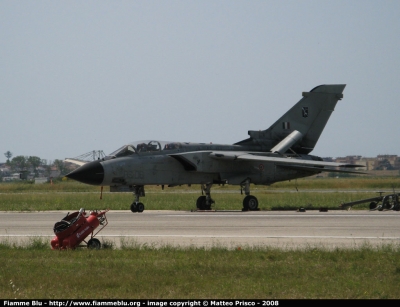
pixel 34 165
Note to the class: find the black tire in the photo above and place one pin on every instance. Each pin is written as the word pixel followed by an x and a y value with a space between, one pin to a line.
pixel 201 203
pixel 61 226
pixel 134 207
pixel 94 244
pixel 373 205
pixel 140 207
pixel 250 202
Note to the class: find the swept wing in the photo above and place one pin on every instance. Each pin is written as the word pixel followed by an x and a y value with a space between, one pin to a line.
pixel 284 162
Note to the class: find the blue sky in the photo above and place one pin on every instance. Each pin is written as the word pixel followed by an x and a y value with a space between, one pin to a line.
pixel 79 76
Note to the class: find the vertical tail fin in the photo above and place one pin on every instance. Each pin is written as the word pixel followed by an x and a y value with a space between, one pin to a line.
pixel 309 117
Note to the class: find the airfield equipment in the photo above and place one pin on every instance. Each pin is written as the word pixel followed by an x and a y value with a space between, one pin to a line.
pixel 75 227
pixel 382 202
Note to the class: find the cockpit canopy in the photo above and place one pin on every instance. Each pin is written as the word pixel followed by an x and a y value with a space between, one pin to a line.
pixel 142 147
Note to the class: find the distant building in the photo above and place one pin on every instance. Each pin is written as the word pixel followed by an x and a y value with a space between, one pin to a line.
pixel 381 162
pixel 41 180
pixel 386 162
pixel 369 163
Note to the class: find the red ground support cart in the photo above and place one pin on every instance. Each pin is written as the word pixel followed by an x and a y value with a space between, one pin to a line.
pixel 75 227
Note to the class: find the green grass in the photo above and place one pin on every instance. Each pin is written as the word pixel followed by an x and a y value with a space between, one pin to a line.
pixel 174 201
pixel 35 271
pixel 313 193
pixel 350 183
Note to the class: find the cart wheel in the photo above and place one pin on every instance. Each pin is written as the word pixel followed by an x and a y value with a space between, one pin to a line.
pixel 94 244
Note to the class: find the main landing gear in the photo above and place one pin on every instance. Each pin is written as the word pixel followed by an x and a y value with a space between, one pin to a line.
pixel 205 202
pixel 250 202
pixel 136 206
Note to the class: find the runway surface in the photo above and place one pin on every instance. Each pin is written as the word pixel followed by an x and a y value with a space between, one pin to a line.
pixel 232 229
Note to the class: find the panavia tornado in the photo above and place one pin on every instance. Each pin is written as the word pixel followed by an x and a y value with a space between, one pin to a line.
pixel 279 153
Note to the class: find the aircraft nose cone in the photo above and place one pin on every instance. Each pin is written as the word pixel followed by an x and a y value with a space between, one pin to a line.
pixel 90 173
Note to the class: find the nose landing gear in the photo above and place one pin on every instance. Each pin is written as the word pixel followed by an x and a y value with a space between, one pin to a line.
pixel 137 206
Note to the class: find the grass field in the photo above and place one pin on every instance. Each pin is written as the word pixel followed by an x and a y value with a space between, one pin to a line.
pixel 308 193
pixel 175 201
pixel 137 272
pixel 349 183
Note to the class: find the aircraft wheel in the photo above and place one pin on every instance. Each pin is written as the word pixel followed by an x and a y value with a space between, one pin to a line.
pixel 250 202
pixel 94 244
pixel 140 207
pixel 201 203
pixel 134 207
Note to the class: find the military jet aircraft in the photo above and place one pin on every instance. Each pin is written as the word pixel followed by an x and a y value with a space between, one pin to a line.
pixel 278 153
